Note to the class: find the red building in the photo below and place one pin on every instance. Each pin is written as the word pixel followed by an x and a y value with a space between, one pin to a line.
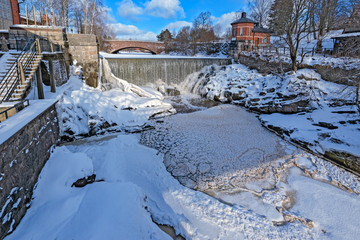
pixel 15 11
pixel 9 13
pixel 249 33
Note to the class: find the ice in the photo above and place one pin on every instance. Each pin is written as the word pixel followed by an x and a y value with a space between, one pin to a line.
pixel 332 209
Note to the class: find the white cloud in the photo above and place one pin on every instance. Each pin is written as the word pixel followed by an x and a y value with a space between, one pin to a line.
pixel 177 25
pixel 123 31
pixel 128 9
pixel 224 22
pixel 106 11
pixel 164 8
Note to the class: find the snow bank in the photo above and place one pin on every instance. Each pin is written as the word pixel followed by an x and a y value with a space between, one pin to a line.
pixel 86 111
pixel 136 189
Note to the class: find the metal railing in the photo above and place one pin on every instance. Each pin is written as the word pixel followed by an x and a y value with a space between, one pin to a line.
pixel 17 108
pixel 16 73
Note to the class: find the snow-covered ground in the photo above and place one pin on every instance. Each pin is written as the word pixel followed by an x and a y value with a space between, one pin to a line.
pixel 136 188
pixel 324 115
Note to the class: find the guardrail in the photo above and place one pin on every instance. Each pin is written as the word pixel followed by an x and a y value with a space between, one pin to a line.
pixel 13 110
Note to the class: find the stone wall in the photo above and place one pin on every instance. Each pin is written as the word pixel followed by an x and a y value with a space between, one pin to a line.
pixel 22 157
pixel 84 48
pixel 328 73
pixel 141 71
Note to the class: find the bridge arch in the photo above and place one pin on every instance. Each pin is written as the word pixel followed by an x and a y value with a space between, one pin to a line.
pixel 112 46
pixel 134 49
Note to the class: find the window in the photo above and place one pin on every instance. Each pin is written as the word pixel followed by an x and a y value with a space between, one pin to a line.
pixel 264 40
pixel 241 31
pixel 249 31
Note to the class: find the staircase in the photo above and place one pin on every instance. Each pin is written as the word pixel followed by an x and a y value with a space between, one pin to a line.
pixel 20 68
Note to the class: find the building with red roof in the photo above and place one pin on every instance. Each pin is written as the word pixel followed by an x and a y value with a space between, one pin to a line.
pixel 248 35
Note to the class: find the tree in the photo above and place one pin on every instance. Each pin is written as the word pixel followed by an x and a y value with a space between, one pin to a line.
pixel 203 30
pixel 165 36
pixel 290 19
pixel 260 11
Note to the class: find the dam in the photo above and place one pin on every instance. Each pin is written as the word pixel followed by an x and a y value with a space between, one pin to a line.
pixel 143 69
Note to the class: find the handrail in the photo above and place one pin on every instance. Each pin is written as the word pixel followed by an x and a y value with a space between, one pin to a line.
pixel 26 58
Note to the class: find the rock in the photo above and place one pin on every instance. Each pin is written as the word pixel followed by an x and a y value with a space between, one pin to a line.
pixel 172 92
pixel 237 96
pixel 82 182
pixel 271 90
pixel 4 47
pixel 228 96
pixel 325 125
pixel 217 98
pixel 262 93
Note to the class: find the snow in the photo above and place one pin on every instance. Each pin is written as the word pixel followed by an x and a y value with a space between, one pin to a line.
pixel 329 206
pixel 355 34
pixel 293 195
pixel 12 125
pixel 3 59
pixel 320 102
pixel 138 189
pixel 37 26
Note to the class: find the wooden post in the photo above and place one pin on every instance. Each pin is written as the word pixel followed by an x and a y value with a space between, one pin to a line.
pixel 52 80
pixel 39 83
pixel 21 73
pixel 51 47
pixel 38 45
pixel 27 16
pixel 34 16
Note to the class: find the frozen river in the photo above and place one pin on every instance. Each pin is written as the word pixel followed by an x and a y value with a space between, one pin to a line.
pixel 238 181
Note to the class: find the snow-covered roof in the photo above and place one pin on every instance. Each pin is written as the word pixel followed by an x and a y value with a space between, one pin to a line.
pixel 243 19
pixel 346 35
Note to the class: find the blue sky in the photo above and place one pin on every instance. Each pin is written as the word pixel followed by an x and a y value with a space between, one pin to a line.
pixel 144 19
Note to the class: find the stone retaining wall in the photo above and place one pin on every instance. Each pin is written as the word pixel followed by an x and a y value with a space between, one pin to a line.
pixel 22 157
pixel 84 48
pixel 328 73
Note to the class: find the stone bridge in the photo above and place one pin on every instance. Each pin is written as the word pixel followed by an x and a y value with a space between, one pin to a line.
pixel 112 46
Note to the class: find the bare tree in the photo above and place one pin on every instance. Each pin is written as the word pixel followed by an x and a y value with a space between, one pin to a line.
pixel 260 11
pixel 290 19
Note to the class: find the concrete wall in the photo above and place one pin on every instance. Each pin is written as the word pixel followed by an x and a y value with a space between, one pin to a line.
pixel 84 48
pixel 22 157
pixel 141 71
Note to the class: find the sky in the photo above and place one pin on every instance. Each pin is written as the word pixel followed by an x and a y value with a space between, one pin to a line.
pixel 144 19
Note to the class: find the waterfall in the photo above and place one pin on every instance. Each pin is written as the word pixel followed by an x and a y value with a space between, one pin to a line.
pixel 110 81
